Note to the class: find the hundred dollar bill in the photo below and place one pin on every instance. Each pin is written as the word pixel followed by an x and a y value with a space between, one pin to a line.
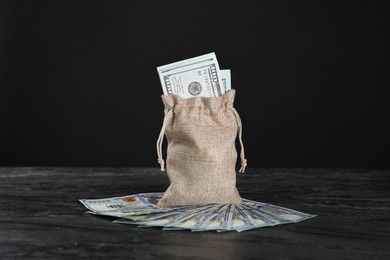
pixel 186 221
pixel 278 211
pixel 198 76
pixel 147 217
pixel 239 223
pixel 119 206
pixel 226 220
pixel 226 80
pixel 282 214
pixel 203 221
pixel 150 223
pixel 221 220
pixel 257 218
pixel 213 223
pixel 196 218
pixel 127 212
pixel 189 223
pixel 242 220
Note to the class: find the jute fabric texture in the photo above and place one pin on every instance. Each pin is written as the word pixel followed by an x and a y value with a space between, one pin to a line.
pixel 201 152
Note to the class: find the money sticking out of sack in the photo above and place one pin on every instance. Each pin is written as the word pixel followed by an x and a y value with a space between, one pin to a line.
pixel 195 77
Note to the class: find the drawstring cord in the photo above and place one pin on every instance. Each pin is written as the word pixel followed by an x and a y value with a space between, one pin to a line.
pixel 242 153
pixel 160 141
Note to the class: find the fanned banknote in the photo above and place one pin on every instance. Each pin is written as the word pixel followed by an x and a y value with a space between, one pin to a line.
pixel 142 210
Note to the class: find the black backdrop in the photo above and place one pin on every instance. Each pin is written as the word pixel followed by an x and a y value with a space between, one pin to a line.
pixel 79 85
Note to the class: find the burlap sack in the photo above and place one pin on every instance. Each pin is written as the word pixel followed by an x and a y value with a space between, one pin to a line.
pixel 201 154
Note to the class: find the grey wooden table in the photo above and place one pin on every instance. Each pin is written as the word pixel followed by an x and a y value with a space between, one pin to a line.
pixel 40 216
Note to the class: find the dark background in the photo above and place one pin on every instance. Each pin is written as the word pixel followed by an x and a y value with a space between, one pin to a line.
pixel 79 87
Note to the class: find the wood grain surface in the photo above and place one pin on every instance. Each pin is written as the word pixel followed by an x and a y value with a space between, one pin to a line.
pixel 40 216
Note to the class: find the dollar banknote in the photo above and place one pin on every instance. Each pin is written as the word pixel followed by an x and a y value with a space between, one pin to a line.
pixel 137 204
pixel 142 210
pixel 226 80
pixel 195 77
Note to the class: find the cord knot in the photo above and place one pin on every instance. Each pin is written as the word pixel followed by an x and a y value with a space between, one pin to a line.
pixel 243 165
pixel 162 164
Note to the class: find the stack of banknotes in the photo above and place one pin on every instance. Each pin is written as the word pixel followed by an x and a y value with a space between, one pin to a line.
pixel 142 210
pixel 198 76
